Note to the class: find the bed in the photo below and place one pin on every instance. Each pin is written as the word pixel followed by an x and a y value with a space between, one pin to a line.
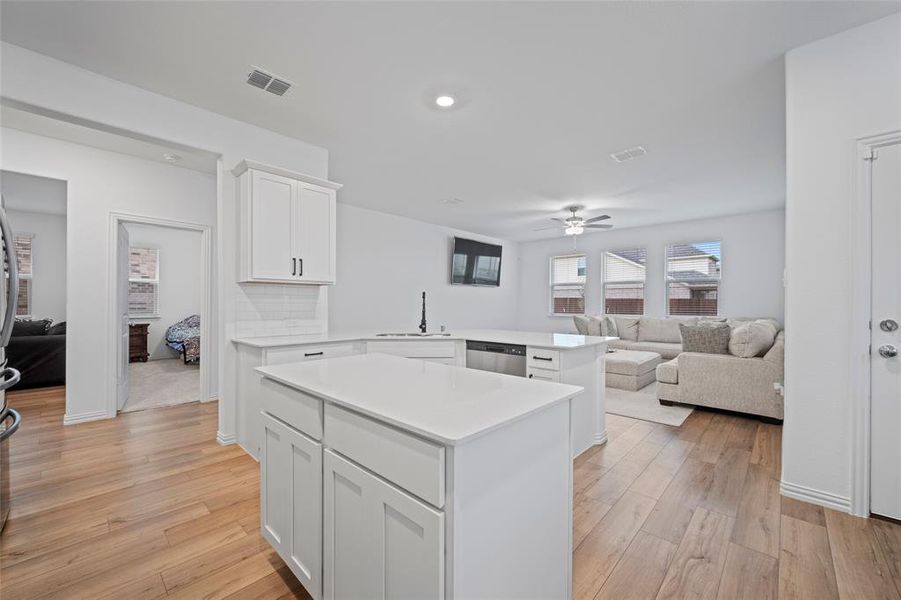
pixel 184 338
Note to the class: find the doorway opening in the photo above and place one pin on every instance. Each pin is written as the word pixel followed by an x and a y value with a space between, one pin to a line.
pixel 160 308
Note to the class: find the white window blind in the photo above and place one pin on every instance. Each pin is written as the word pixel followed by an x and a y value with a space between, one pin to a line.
pixel 624 276
pixel 693 278
pixel 568 285
pixel 24 258
pixel 143 282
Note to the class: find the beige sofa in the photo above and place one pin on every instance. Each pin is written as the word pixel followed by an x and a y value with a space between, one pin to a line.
pixel 721 381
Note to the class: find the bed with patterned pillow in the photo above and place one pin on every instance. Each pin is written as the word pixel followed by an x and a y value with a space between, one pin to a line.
pixel 184 338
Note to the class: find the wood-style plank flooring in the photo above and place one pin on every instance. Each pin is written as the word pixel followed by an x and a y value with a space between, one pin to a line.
pixel 149 506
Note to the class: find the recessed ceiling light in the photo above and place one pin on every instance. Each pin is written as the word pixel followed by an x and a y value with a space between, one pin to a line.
pixel 451 200
pixel 169 157
pixel 445 101
pixel 628 154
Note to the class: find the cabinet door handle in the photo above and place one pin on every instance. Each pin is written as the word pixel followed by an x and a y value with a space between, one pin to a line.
pixel 294 268
pixel 313 353
pixel 531 375
pixel 547 358
pixel 301 266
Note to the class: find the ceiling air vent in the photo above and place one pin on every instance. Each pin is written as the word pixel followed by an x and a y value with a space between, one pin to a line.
pixel 267 81
pixel 628 154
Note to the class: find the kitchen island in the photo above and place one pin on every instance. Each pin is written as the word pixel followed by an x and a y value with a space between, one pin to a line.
pixel 388 477
pixel 555 357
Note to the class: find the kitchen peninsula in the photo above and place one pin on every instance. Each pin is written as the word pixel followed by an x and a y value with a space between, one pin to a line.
pixel 388 477
pixel 553 357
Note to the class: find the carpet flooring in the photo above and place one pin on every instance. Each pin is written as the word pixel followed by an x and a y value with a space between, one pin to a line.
pixel 161 383
pixel 643 405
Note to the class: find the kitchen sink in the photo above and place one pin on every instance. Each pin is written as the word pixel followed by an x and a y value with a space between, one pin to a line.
pixel 411 334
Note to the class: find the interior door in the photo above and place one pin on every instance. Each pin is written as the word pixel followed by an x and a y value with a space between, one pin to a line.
pixel 885 362
pixel 314 239
pixel 273 210
pixel 122 312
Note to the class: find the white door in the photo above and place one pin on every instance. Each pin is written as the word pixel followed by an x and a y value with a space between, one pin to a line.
pixel 885 360
pixel 122 313
pixel 291 500
pixel 273 213
pixel 379 542
pixel 315 241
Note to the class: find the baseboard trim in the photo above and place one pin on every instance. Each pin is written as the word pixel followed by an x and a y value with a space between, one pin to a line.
pixel 249 453
pixel 226 440
pixel 807 494
pixel 96 415
pixel 211 399
pixel 600 438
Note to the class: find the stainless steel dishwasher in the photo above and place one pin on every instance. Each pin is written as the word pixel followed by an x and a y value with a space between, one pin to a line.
pixel 509 359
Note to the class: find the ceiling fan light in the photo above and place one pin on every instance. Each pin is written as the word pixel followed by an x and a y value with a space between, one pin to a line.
pixel 574 230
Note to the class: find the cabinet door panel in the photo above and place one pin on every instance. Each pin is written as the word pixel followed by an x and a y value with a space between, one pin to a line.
pixel 379 541
pixel 291 500
pixel 272 212
pixel 315 242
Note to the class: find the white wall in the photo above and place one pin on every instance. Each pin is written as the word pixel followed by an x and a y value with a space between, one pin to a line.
pixel 753 247
pixel 101 182
pixel 180 275
pixel 48 248
pixel 24 76
pixel 385 262
pixel 838 89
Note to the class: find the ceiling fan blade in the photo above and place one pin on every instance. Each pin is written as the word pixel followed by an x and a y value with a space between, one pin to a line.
pixel 558 219
pixel 546 228
pixel 598 226
pixel 600 218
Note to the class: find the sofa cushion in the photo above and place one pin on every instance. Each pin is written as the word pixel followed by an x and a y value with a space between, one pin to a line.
pixel 24 327
pixel 664 349
pixel 58 329
pixel 581 323
pixel 608 327
pixel 661 330
pixel 752 339
pixel 668 372
pixel 621 344
pixel 631 362
pixel 626 328
pixel 707 338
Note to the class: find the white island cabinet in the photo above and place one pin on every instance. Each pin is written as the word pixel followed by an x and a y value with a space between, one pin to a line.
pixel 383 477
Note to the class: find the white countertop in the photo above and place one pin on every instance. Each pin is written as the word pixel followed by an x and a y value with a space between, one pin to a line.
pixel 449 405
pixel 556 341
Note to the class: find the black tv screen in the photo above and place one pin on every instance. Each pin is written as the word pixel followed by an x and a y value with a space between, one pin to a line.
pixel 475 263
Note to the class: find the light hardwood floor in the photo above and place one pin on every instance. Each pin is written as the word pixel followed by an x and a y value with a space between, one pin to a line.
pixel 149 506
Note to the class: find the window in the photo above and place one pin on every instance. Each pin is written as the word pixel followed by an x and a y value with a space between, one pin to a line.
pixel 624 274
pixel 693 278
pixel 23 243
pixel 143 282
pixel 568 285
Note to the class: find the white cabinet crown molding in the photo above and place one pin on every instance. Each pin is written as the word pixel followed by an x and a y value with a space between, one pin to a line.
pixel 244 165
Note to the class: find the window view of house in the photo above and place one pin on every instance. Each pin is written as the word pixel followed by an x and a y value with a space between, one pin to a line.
pixel 693 278
pixel 624 276
pixel 23 245
pixel 143 282
pixel 568 285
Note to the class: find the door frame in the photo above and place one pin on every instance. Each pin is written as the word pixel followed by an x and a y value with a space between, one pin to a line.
pixel 206 270
pixel 859 354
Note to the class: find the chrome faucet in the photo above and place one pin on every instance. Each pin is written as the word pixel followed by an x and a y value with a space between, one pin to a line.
pixel 422 325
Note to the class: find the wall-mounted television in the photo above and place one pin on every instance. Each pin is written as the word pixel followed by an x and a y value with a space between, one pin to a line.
pixel 475 263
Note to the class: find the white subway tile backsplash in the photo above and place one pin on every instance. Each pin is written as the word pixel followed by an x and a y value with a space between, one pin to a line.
pixel 280 310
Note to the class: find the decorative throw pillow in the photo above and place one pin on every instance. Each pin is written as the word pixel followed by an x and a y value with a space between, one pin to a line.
pixel 581 323
pixel 752 339
pixel 709 338
pixel 608 328
pixel 626 328
pixel 58 329
pixel 23 327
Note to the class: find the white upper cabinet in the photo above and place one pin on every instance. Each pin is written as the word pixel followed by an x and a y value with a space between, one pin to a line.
pixel 287 223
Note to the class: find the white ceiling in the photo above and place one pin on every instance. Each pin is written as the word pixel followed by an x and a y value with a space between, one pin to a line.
pixel 546 90
pixel 30 193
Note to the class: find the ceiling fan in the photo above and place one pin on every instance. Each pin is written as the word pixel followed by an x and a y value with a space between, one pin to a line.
pixel 576 225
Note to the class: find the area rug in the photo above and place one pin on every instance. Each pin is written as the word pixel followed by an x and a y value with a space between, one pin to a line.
pixel 643 405
pixel 161 383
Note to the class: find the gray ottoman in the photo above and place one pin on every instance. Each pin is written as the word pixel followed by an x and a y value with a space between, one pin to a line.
pixel 631 369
